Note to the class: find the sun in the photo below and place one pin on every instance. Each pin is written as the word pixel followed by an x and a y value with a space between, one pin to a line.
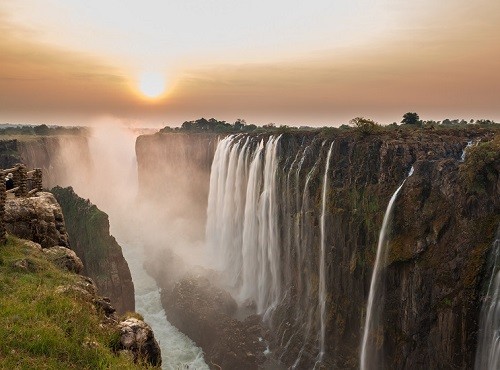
pixel 152 84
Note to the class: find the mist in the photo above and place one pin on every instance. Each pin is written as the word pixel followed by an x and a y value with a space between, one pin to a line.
pixel 156 227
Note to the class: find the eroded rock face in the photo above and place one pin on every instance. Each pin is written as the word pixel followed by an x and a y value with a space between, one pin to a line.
pixel 38 218
pixel 65 258
pixel 442 231
pixel 204 313
pixel 136 336
pixel 88 229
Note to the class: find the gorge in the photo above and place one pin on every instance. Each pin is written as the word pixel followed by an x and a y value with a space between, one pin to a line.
pixel 292 221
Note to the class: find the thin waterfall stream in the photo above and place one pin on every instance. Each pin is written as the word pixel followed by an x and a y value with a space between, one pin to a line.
pixel 369 356
pixel 488 346
pixel 322 267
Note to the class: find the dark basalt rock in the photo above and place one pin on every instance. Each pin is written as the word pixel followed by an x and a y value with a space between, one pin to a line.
pixel 204 312
pixel 88 229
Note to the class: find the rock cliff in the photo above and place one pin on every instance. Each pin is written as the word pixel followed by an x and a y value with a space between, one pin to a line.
pixel 88 229
pixel 443 224
pixel 55 155
pixel 38 218
pixel 205 312
pixel 62 159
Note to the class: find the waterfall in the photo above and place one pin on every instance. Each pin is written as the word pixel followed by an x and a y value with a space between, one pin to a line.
pixel 462 157
pixel 242 219
pixel 488 346
pixel 322 277
pixel 369 353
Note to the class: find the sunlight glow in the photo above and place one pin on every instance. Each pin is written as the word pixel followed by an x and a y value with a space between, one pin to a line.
pixel 152 84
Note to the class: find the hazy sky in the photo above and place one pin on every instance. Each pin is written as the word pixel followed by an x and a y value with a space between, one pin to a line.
pixel 290 62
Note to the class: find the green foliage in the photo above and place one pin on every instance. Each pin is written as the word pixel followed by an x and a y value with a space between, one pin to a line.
pixel 41 130
pixel 212 125
pixel 365 126
pixel 88 228
pixel 481 168
pixel 410 118
pixel 43 329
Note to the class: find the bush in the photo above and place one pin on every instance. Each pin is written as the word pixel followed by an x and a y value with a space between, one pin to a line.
pixel 365 126
pixel 482 165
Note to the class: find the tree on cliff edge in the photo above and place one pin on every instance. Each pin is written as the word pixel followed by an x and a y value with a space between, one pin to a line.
pixel 410 118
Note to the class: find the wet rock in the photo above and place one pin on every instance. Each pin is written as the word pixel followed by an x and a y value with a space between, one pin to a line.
pixel 137 337
pixel 203 312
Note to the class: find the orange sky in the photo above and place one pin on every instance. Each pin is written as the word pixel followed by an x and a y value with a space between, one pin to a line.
pixel 441 63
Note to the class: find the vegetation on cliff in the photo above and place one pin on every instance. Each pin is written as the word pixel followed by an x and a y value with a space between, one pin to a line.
pixel 40 130
pixel 364 125
pixel 44 325
pixel 482 164
pixel 88 229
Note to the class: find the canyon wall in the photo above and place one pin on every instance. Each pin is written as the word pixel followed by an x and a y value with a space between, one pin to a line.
pixel 66 160
pixel 443 226
pixel 88 230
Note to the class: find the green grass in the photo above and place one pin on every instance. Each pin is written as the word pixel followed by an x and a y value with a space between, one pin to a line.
pixel 42 329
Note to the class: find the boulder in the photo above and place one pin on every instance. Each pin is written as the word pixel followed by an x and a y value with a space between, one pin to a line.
pixel 137 337
pixel 64 258
pixel 38 218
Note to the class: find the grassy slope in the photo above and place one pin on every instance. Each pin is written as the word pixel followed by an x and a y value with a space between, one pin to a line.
pixel 42 329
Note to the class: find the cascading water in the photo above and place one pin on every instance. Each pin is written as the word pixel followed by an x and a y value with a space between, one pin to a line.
pixel 370 356
pixel 249 198
pixel 322 267
pixel 177 350
pixel 242 229
pixel 464 152
pixel 488 346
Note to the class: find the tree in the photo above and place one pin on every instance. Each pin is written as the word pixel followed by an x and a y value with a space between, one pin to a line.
pixel 364 125
pixel 41 130
pixel 410 118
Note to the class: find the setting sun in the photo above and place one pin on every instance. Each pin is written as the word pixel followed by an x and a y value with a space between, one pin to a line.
pixel 152 84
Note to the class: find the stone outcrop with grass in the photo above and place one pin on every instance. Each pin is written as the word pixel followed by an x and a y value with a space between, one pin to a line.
pixel 53 318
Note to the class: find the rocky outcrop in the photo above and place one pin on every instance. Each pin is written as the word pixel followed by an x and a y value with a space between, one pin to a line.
pixel 205 312
pixel 64 158
pixel 137 337
pixel 38 218
pixel 65 258
pixel 88 229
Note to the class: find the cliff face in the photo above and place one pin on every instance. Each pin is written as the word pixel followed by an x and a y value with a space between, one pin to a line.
pixel 102 257
pixel 443 224
pixel 61 157
pixel 9 155
pixel 65 159
pixel 38 218
pixel 174 172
